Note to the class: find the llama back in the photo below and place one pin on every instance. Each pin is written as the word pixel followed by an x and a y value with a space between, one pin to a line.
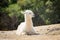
pixel 20 28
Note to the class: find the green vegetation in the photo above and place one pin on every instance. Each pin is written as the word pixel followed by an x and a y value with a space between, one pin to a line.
pixel 46 12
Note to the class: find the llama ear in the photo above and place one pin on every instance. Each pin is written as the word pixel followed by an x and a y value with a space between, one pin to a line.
pixel 22 12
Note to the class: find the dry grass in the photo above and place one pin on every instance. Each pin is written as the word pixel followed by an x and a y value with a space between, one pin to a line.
pixel 47 32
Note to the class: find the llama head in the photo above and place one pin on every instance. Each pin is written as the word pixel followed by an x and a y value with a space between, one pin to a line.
pixel 28 13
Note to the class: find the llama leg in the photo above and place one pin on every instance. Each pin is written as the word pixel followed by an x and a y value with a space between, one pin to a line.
pixel 19 32
pixel 31 31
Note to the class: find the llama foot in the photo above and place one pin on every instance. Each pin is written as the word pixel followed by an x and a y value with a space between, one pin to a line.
pixel 32 33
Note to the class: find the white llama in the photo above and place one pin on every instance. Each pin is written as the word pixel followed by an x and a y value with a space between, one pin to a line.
pixel 27 26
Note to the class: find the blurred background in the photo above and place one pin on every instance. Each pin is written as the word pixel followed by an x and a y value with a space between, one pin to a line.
pixel 46 12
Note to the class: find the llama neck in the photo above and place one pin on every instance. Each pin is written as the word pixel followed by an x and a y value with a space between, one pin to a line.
pixel 28 21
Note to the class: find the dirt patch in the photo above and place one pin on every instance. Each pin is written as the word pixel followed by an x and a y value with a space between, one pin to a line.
pixel 46 32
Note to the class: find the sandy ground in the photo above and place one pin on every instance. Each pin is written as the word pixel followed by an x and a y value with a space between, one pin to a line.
pixel 46 32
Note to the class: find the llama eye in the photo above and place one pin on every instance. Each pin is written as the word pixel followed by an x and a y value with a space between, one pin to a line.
pixel 29 13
